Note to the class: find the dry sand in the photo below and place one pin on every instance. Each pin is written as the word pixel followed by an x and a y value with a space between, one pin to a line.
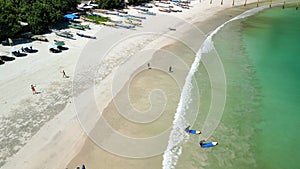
pixel 45 127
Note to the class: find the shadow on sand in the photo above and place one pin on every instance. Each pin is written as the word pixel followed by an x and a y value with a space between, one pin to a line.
pixel 7 58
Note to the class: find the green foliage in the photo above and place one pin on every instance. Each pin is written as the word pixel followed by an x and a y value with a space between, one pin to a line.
pixel 135 2
pixel 138 2
pixel 39 14
pixel 110 4
pixel 8 22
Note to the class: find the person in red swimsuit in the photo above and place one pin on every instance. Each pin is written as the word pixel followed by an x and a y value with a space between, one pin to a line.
pixel 33 89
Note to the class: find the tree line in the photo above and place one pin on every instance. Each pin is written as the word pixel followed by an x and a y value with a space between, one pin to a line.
pixel 40 14
pixel 118 4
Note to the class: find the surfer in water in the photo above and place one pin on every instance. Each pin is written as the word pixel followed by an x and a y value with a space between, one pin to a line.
pixel 196 132
pixel 204 144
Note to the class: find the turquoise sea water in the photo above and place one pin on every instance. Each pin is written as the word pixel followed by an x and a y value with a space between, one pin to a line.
pixel 272 43
pixel 261 122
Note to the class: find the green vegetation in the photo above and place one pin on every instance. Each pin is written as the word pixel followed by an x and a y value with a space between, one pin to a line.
pixel 39 14
pixel 110 4
pixel 98 19
pixel 8 22
pixel 117 4
pixel 137 2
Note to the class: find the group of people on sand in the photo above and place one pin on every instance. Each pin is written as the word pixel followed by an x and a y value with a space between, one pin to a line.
pixel 170 68
pixel 203 143
pixel 34 86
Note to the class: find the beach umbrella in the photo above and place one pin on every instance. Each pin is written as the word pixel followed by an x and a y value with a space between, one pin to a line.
pixel 59 43
pixel 71 16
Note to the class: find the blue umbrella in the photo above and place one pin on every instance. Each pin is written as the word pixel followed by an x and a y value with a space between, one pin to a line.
pixel 71 17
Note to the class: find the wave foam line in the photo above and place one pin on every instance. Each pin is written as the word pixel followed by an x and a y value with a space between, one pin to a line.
pixel 178 135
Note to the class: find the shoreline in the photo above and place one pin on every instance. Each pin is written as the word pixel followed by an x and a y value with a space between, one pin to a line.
pixel 103 162
pixel 67 131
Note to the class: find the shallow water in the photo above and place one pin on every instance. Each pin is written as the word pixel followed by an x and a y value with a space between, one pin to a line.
pixel 260 121
pixel 272 44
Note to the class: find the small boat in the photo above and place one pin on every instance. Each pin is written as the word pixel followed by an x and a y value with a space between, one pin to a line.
pixel 108 23
pixel 147 6
pixel 164 10
pixel 134 19
pixel 148 13
pixel 76 26
pixel 112 13
pixel 133 23
pixel 85 36
pixel 141 9
pixel 125 26
pixel 40 38
pixel 122 11
pixel 65 34
pixel 139 17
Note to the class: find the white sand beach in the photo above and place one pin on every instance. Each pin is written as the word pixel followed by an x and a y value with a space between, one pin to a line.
pixel 49 130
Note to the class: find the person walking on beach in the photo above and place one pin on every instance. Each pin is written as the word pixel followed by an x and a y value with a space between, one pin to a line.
pixel 33 89
pixel 64 74
pixel 149 66
pixel 170 69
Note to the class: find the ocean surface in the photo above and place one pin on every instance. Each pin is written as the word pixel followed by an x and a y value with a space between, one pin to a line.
pixel 272 41
pixel 261 119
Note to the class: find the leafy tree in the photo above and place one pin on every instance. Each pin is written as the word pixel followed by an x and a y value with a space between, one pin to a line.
pixel 110 4
pixel 39 14
pixel 9 25
pixel 137 2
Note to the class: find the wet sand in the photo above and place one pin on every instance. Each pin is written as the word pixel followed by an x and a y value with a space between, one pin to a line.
pixel 139 94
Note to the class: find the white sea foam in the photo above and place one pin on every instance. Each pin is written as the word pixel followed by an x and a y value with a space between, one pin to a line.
pixel 178 135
